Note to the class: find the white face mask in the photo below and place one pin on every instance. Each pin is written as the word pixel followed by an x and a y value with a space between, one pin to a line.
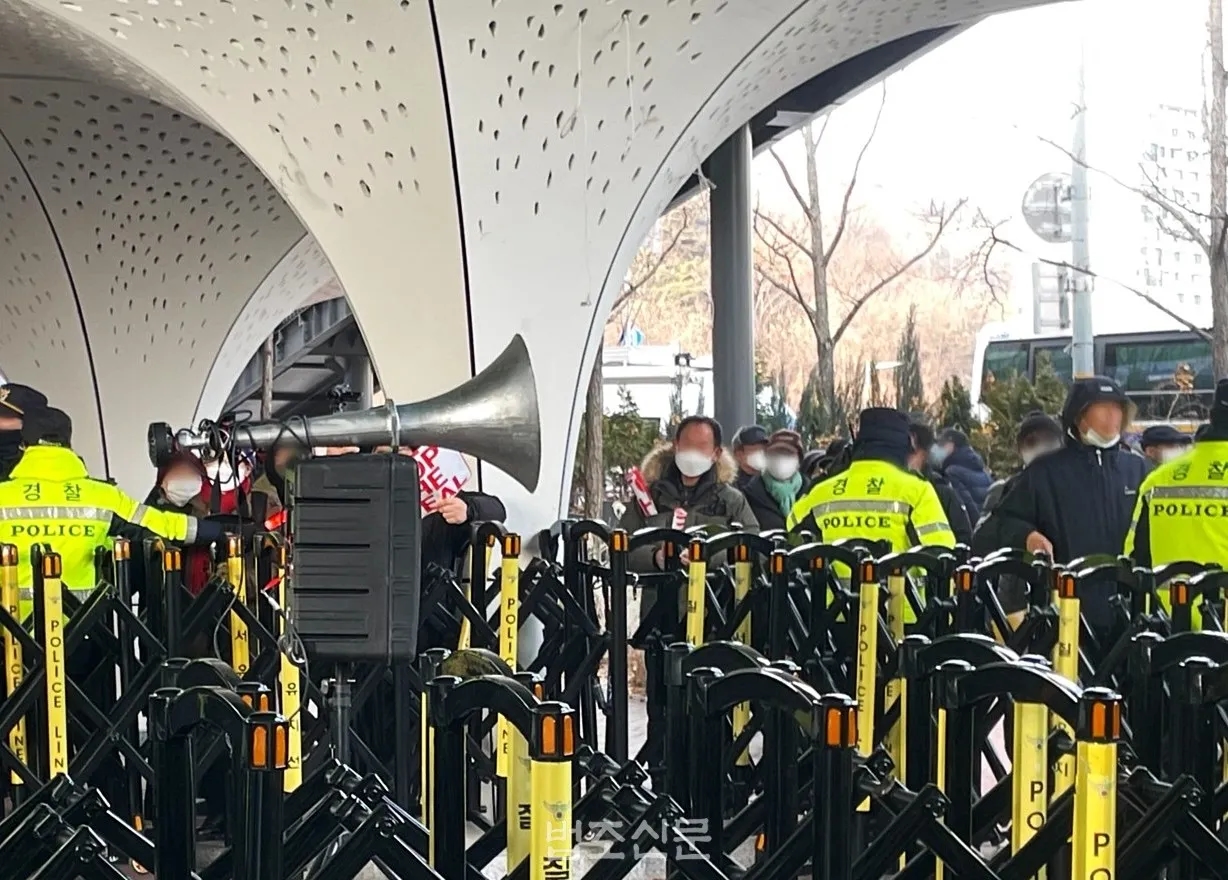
pixel 782 467
pixel 1035 452
pixel 180 490
pixel 1172 453
pixel 692 463
pixel 756 460
pixel 1093 438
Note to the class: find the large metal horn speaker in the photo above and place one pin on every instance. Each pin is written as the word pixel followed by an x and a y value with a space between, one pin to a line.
pixel 492 417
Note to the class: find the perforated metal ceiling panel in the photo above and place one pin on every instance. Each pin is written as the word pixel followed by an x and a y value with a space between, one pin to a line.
pixel 340 104
pixel 577 121
pixel 165 230
pixel 574 124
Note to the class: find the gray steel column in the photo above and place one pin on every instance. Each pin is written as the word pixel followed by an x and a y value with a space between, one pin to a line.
pixel 361 379
pixel 1082 333
pixel 733 307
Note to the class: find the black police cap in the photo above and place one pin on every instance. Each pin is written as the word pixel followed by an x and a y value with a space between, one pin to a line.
pixel 20 399
pixel 46 426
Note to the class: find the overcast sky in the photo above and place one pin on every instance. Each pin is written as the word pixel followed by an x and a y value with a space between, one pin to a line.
pixel 963 120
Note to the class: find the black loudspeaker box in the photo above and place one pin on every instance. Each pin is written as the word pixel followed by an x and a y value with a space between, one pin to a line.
pixel 355 527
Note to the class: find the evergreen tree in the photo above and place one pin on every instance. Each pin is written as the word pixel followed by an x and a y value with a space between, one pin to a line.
pixel 628 438
pixel 820 421
pixel 1008 401
pixel 955 407
pixel 909 389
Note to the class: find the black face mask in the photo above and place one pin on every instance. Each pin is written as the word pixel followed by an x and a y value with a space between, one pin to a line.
pixel 10 448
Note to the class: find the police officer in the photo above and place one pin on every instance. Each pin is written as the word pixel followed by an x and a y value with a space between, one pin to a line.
pixel 50 498
pixel 1182 508
pixel 15 401
pixel 876 497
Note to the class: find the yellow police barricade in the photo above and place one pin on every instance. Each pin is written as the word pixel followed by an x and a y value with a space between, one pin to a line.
pixel 895 691
pixel 1066 664
pixel 509 636
pixel 240 639
pixel 867 663
pixel 49 618
pixel 520 786
pixel 1029 775
pixel 551 756
pixel 14 662
pixel 743 574
pixel 289 677
pixel 1094 841
pixel 696 594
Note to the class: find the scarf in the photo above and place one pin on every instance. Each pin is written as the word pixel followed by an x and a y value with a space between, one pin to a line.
pixel 783 493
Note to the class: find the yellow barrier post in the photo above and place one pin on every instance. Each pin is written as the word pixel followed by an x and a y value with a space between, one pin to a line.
pixel 240 645
pixel 551 753
pixel 1094 841
pixel 1029 775
pixel 696 594
pixel 743 573
pixel 520 789
pixel 896 688
pixel 14 662
pixel 509 632
pixel 1066 664
pixel 867 664
pixel 51 597
pixel 290 681
pixel 945 680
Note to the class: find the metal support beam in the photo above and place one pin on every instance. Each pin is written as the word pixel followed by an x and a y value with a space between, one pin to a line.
pixel 733 308
pixel 361 380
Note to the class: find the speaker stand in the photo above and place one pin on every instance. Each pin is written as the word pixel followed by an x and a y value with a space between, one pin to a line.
pixel 339 691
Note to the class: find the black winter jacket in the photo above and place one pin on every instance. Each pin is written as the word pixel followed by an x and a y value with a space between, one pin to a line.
pixel 1081 499
pixel 953 506
pixel 965 469
pixel 764 506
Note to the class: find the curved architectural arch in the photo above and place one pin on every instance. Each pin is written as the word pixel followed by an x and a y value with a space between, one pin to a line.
pixel 470 170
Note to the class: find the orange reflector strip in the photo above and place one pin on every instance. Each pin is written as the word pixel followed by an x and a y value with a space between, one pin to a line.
pixel 550 735
pixel 741 553
pixel 1180 593
pixel 122 549
pixel 618 541
pixel 281 748
pixel 234 546
pixel 963 580
pixel 697 551
pixel 569 736
pixel 511 545
pixel 53 567
pixel 760 842
pixel 778 562
pixel 172 560
pixel 1066 586
pixel 818 563
pixel 264 702
pixel 8 554
pixel 840 727
pixel 539 691
pixel 868 573
pixel 260 746
pixel 490 540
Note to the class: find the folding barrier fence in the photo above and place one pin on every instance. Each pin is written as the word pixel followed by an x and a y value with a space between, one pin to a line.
pixel 830 710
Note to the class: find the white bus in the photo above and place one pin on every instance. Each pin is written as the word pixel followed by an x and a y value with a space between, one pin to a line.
pixel 1167 373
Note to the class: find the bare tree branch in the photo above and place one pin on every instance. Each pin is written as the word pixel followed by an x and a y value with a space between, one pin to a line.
pixel 1156 197
pixel 632 286
pixel 1062 264
pixel 802 201
pixel 779 229
pixel 944 221
pixel 852 185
